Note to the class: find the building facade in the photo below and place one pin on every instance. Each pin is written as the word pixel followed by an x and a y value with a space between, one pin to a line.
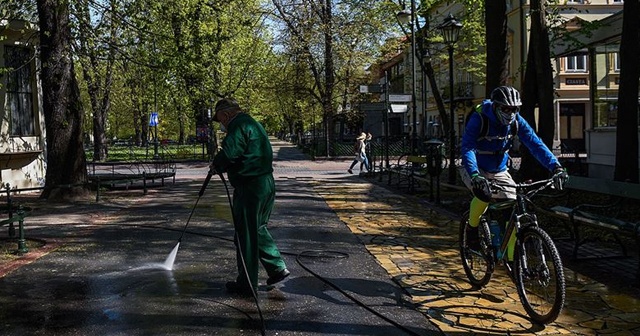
pixel 585 81
pixel 600 50
pixel 22 129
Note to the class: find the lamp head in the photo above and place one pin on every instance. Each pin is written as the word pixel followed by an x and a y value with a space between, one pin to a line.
pixel 450 28
pixel 404 16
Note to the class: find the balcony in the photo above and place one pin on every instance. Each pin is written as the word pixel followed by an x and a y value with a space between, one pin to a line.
pixel 17 160
pixel 462 92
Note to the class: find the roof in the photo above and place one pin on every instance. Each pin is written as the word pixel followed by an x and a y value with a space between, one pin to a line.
pixel 608 30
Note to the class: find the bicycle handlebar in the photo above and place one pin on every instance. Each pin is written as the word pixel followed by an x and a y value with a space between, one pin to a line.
pixel 525 185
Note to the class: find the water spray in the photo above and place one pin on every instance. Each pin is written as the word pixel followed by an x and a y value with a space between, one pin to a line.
pixel 168 263
pixel 172 256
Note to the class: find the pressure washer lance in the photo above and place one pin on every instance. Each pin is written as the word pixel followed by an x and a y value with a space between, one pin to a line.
pixel 246 273
pixel 202 189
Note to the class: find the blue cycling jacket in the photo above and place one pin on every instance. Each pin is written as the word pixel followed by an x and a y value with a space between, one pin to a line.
pixel 490 153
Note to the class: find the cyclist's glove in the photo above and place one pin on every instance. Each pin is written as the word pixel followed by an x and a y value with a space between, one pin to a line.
pixel 560 177
pixel 481 188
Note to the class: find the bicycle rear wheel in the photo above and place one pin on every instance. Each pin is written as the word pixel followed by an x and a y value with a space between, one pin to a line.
pixel 539 275
pixel 477 262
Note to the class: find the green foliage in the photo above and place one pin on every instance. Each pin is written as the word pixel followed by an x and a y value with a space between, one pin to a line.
pixel 472 40
pixel 310 80
pixel 177 57
pixel 18 10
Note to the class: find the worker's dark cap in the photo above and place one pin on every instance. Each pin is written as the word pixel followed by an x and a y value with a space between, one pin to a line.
pixel 225 104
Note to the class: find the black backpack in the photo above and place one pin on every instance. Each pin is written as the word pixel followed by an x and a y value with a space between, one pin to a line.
pixel 484 124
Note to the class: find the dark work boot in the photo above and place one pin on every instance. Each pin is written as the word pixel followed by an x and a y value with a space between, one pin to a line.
pixel 236 288
pixel 278 276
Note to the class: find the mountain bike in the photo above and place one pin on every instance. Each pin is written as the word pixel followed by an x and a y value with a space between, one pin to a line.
pixel 536 269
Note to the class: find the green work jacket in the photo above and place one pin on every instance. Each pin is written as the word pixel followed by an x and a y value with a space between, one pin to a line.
pixel 246 151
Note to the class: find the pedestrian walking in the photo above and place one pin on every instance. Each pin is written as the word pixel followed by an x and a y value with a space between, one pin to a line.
pixel 247 158
pixel 361 154
pixel 367 151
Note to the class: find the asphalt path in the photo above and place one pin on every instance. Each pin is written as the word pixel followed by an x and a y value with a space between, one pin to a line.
pixel 103 273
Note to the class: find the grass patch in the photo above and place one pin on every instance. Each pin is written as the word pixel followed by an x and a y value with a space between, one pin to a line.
pixel 8 248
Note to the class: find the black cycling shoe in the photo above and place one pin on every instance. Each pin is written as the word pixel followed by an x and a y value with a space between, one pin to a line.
pixel 473 239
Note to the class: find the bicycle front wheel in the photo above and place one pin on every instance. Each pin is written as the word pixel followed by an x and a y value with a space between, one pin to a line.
pixel 539 275
pixel 477 261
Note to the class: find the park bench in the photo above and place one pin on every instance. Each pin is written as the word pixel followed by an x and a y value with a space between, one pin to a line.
pixel 406 170
pixel 124 174
pixel 413 171
pixel 16 214
pixel 605 215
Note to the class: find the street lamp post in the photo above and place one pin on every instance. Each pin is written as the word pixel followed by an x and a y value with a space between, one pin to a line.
pixel 410 18
pixel 450 30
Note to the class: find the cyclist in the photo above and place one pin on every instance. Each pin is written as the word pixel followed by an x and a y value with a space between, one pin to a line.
pixel 488 136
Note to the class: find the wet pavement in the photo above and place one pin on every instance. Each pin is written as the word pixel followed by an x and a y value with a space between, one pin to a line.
pixel 365 260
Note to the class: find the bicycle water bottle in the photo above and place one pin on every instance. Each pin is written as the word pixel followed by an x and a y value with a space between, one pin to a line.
pixel 495 229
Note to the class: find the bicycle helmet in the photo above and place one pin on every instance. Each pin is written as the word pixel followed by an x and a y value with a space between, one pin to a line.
pixel 506 103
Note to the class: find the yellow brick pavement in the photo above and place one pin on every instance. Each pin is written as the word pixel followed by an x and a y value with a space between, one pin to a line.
pixel 418 248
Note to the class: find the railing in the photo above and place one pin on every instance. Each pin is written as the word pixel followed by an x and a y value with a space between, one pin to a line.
pixel 166 152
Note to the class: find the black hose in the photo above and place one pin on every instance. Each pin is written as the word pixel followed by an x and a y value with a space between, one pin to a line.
pixel 306 254
pixel 338 254
pixel 236 239
pixel 244 265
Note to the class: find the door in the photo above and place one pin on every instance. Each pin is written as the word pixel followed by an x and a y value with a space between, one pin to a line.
pixel 572 126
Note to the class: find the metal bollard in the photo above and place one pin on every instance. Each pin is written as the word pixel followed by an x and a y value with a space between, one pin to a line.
pixel 144 182
pixel 12 229
pixel 22 243
pixel 98 185
pixel 434 165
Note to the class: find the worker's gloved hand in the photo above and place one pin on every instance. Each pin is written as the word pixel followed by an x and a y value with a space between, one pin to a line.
pixel 560 177
pixel 481 188
pixel 212 169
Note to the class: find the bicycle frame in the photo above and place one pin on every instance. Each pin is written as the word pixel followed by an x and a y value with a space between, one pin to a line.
pixel 536 270
pixel 519 208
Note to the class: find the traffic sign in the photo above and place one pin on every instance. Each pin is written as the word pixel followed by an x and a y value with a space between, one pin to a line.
pixel 153 119
pixel 381 106
pixel 373 88
pixel 399 108
pixel 400 98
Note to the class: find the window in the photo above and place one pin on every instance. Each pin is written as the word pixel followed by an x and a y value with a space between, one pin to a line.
pixel 575 1
pixel 618 1
pixel 616 62
pixel 19 90
pixel 576 63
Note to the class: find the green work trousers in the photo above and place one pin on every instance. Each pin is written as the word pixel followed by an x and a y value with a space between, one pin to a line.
pixel 253 200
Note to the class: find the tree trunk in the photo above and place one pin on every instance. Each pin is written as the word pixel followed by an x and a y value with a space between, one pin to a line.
pixel 97 74
pixel 329 70
pixel 538 91
pixel 497 48
pixel 66 174
pixel 626 168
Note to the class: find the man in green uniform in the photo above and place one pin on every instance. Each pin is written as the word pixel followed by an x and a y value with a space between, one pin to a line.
pixel 246 156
